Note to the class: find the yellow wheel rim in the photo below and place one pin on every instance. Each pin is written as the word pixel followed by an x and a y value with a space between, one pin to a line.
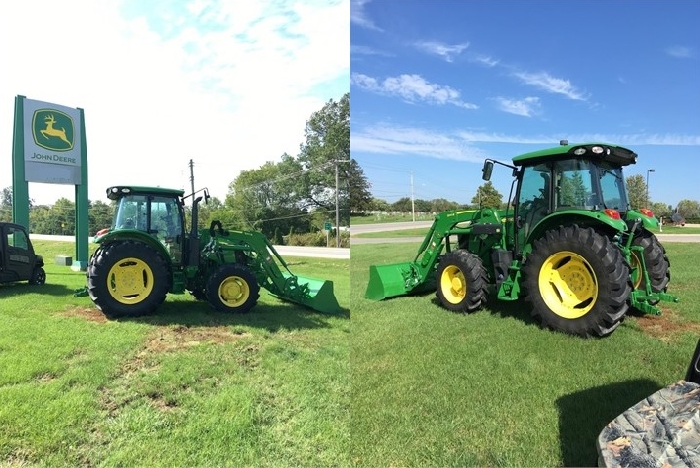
pixel 568 285
pixel 636 271
pixel 234 291
pixel 453 284
pixel 130 280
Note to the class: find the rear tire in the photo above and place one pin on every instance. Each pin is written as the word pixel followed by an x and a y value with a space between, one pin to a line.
pixel 233 288
pixel 577 282
pixel 461 281
pixel 38 277
pixel 127 279
pixel 656 260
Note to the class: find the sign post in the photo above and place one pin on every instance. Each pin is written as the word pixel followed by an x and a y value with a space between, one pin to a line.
pixel 327 227
pixel 49 146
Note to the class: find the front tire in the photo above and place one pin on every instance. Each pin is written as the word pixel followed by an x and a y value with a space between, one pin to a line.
pixel 577 282
pixel 462 281
pixel 127 279
pixel 233 288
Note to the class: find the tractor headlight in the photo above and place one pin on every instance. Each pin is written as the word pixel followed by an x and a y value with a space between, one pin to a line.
pixel 597 149
pixel 579 151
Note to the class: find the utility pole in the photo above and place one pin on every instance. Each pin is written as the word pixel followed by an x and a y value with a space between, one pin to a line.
pixel 647 197
pixel 337 211
pixel 192 175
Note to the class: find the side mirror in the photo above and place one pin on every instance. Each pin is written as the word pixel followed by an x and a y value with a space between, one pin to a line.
pixel 487 170
pixel 206 197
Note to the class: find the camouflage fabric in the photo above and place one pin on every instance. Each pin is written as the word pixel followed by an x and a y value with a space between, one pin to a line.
pixel 663 430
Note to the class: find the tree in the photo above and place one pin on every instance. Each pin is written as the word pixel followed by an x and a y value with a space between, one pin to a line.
pixel 99 216
pixel 688 209
pixel 487 196
pixel 661 210
pixel 637 191
pixel 402 205
pixel 377 204
pixel 440 204
pixel 358 186
pixel 266 198
pixel 6 204
pixel 327 144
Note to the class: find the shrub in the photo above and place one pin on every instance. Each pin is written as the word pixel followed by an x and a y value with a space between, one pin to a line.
pixel 317 239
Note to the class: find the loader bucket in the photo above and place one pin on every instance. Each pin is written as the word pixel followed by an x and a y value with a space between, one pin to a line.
pixel 389 281
pixel 314 293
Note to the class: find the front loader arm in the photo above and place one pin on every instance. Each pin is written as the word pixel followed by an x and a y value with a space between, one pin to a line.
pixel 262 258
pixel 399 279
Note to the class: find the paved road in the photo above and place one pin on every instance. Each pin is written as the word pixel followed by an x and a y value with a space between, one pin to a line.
pixel 283 250
pixel 364 228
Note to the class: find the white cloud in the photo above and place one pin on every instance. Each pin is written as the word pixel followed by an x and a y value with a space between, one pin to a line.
pixel 487 60
pixel 412 88
pixel 227 84
pixel 391 140
pixel 446 51
pixel 551 84
pixel 468 145
pixel 527 107
pixel 357 50
pixel 630 139
pixel 679 52
pixel 359 16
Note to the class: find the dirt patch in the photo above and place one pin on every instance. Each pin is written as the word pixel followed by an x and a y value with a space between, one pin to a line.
pixel 161 340
pixel 667 325
pixel 181 336
pixel 88 314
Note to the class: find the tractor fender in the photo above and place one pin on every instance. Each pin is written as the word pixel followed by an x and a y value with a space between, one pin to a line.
pixel 133 234
pixel 648 222
pixel 595 219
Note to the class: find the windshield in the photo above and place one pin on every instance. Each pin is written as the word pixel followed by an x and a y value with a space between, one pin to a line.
pixel 613 187
pixel 131 213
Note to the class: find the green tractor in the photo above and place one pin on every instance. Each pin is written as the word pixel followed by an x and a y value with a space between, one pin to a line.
pixel 569 244
pixel 147 253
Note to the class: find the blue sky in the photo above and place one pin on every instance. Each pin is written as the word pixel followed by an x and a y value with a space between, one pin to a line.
pixel 439 86
pixel 229 84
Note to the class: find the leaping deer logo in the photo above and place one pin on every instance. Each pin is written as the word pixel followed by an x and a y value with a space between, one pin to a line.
pixel 49 131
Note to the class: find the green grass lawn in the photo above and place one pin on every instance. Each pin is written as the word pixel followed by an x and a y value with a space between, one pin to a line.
pixel 435 388
pixel 185 386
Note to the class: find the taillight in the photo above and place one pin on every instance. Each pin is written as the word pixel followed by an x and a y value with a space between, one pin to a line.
pixel 101 232
pixel 614 214
pixel 646 212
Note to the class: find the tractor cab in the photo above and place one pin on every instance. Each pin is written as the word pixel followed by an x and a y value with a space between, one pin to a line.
pixel 151 211
pixel 584 183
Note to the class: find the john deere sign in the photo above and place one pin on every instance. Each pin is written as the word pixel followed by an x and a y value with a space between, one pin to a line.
pixel 58 138
pixel 52 149
pixel 49 146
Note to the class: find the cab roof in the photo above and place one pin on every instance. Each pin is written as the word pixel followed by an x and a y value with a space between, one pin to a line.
pixel 613 154
pixel 117 191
